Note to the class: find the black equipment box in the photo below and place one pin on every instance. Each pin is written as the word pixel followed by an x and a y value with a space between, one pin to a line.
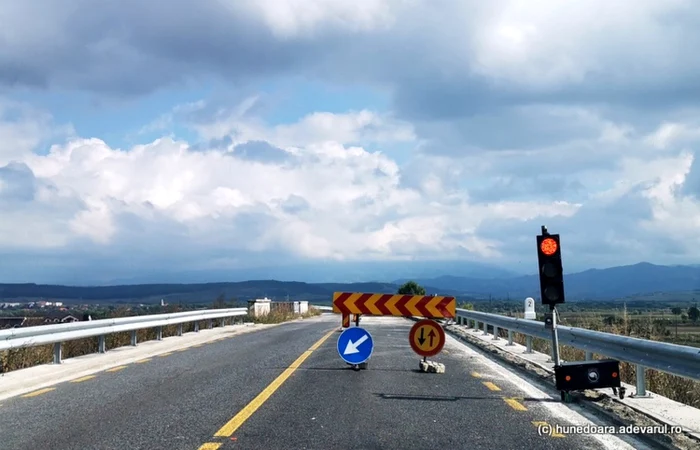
pixel 580 375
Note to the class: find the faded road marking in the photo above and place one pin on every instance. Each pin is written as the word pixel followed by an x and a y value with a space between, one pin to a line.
pixel 546 429
pixel 491 386
pixel 515 404
pixel 39 392
pixel 141 361
pixel 210 446
pixel 476 374
pixel 116 369
pixel 85 378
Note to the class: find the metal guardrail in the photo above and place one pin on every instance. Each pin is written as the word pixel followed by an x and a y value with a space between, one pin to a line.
pixel 322 308
pixel 674 359
pixel 57 333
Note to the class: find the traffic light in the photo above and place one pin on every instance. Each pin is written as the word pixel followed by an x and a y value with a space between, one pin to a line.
pixel 551 272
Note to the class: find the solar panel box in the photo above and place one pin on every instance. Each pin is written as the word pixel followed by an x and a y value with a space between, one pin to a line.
pixel 580 375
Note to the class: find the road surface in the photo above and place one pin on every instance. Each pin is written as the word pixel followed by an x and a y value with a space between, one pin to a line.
pixel 287 388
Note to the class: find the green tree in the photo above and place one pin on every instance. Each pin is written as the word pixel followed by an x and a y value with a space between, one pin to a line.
pixel 694 313
pixel 220 302
pixel 411 288
pixel 676 310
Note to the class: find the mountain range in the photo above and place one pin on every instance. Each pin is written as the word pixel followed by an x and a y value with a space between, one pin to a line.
pixel 614 282
pixel 593 284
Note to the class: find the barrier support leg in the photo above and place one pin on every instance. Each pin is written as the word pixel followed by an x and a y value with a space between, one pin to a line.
pixel 57 353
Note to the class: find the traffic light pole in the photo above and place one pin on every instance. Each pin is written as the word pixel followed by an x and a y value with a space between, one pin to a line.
pixel 555 338
pixel 550 319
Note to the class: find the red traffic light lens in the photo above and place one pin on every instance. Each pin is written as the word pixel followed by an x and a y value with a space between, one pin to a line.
pixel 549 246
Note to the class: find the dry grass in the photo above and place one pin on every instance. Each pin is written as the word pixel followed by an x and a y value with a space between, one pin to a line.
pixel 680 389
pixel 285 314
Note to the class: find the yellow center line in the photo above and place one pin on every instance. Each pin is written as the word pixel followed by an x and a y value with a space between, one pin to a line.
pixel 210 446
pixel 39 392
pixel 166 354
pixel 548 429
pixel 491 386
pixel 238 420
pixel 476 374
pixel 85 378
pixel 515 404
pixel 141 361
pixel 116 369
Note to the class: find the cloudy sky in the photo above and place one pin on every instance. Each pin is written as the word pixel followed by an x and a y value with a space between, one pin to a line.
pixel 194 135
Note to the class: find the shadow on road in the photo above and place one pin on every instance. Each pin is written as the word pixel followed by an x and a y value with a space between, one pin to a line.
pixel 453 398
pixel 348 368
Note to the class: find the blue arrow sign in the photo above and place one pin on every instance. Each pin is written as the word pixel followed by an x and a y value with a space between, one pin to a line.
pixel 355 345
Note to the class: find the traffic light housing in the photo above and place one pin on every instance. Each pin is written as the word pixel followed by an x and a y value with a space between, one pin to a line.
pixel 582 375
pixel 550 268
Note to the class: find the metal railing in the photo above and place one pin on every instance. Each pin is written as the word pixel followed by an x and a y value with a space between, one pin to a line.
pixel 57 333
pixel 674 359
pixel 322 308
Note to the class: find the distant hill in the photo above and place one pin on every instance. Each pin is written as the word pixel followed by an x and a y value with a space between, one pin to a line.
pixel 593 284
pixel 598 284
pixel 194 293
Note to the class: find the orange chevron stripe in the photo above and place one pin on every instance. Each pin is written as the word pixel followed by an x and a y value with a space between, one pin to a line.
pixel 415 305
pixel 371 305
pixel 431 306
pixel 391 305
pixel 411 305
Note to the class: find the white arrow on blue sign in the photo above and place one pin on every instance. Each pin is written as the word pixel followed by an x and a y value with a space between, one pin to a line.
pixel 355 345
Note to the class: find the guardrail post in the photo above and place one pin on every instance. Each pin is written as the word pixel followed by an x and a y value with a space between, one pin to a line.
pixel 223 322
pixel 486 327
pixel 510 337
pixel 57 353
pixel 159 334
pixel 476 325
pixel 196 327
pixel 495 333
pixel 528 344
pixel 641 382
pixel 211 324
pixel 179 329
pixel 101 344
pixel 589 356
pixel 134 339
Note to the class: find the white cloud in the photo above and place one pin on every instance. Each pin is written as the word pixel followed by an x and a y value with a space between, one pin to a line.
pixel 330 200
pixel 510 113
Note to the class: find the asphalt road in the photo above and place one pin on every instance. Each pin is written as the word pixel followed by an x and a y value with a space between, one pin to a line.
pixel 184 399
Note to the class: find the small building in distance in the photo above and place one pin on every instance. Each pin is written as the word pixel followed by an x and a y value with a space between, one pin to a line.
pixel 12 322
pixel 59 317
